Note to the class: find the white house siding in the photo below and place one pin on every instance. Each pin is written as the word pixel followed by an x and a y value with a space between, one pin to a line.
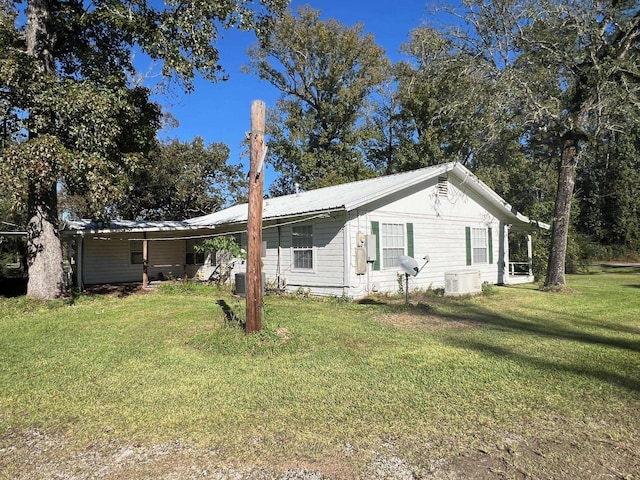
pixel 327 275
pixel 439 223
pixel 106 258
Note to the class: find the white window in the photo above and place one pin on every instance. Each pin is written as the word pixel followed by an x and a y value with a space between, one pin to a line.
pixel 479 246
pixel 392 244
pixel 194 257
pixel 135 253
pixel 302 244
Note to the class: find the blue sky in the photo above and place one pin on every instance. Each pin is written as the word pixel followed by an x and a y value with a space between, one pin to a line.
pixel 219 112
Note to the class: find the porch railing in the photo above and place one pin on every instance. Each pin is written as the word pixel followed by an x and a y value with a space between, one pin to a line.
pixel 519 268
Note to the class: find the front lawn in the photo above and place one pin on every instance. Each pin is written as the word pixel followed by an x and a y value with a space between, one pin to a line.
pixel 516 384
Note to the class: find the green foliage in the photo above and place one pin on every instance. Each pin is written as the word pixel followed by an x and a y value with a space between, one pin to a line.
pixel 489 290
pixel 400 279
pixel 445 99
pixel 519 86
pixel 223 243
pixel 183 180
pixel 608 191
pixel 71 111
pixel 326 72
pixel 185 288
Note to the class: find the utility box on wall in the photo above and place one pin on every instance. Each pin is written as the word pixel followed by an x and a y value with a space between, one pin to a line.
pixel 361 260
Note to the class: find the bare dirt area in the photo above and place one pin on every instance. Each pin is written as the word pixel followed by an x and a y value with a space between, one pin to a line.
pixel 36 455
pixel 418 320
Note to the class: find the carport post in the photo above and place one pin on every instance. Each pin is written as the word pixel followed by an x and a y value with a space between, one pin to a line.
pixel 145 261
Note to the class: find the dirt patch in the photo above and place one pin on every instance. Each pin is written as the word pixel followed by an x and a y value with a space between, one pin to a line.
pixel 36 455
pixel 417 320
pixel 560 290
pixel 119 290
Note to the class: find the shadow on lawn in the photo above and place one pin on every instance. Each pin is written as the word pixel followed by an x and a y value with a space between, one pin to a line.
pixel 230 317
pixel 561 330
pixel 553 331
pixel 603 375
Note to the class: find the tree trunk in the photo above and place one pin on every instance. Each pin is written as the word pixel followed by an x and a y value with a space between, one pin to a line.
pixel 40 36
pixel 44 249
pixel 560 230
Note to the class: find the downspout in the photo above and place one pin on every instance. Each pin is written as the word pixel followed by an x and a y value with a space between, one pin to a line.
pixel 503 253
pixel 346 260
pixel 530 254
pixel 145 261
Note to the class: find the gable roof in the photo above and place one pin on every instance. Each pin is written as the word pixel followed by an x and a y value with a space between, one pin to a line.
pixel 349 196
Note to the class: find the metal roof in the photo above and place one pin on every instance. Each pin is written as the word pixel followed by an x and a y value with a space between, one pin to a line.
pixel 353 195
pixel 92 226
pixel 345 197
pixel 338 197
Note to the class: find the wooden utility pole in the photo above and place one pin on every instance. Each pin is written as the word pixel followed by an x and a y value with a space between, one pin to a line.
pixel 254 220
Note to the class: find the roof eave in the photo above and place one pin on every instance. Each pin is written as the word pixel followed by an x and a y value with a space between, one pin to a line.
pixel 96 231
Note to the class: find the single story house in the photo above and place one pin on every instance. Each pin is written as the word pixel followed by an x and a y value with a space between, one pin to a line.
pixel 347 239
pixel 339 240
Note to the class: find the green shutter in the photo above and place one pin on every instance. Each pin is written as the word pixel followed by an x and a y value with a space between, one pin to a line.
pixel 410 239
pixel 490 246
pixel 468 241
pixel 375 230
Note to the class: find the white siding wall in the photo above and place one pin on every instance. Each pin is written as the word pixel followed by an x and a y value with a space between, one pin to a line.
pixel 106 258
pixel 327 275
pixel 439 224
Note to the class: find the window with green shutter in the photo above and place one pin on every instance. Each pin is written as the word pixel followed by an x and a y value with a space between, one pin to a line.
pixel 479 246
pixel 391 243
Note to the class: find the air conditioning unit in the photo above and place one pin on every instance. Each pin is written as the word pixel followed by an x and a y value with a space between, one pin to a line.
pixel 462 283
pixel 241 283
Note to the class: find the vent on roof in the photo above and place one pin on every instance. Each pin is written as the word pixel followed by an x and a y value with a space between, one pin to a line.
pixel 443 187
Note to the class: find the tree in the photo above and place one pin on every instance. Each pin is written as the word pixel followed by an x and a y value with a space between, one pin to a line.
pixel 326 72
pixel 183 180
pixel 607 190
pixel 550 74
pixel 390 144
pixel 446 99
pixel 562 68
pixel 70 110
pixel 451 107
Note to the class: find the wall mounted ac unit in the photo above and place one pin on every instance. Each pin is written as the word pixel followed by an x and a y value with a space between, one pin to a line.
pixel 462 283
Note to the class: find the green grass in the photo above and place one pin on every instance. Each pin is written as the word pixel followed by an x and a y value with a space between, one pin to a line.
pixel 448 373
